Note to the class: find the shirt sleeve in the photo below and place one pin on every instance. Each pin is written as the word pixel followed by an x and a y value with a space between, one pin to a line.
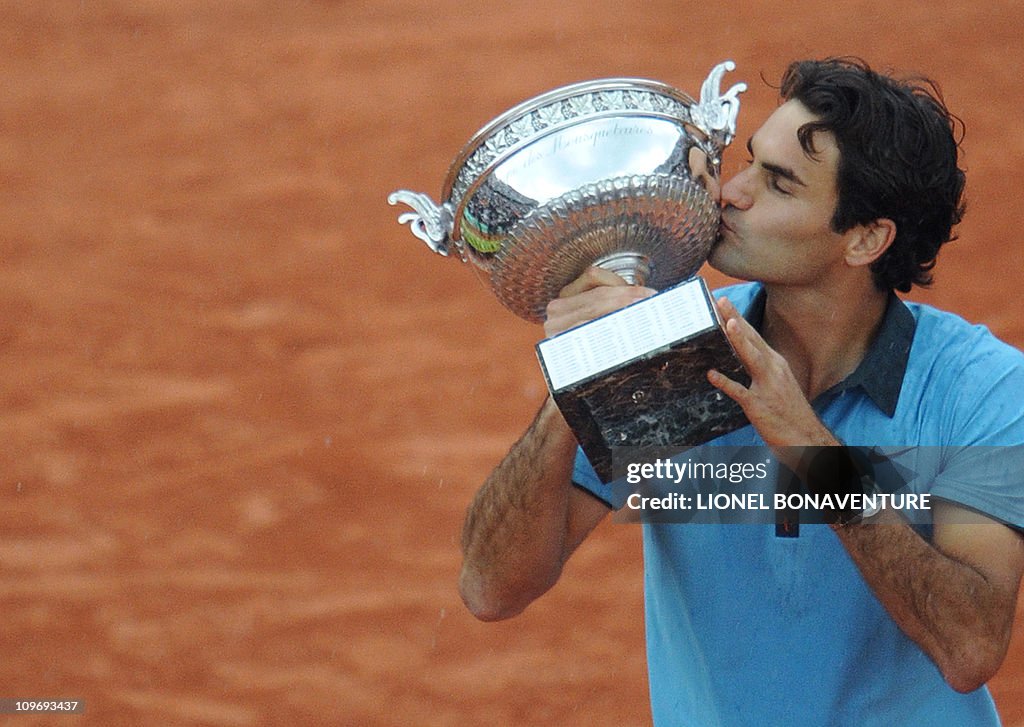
pixel 982 466
pixel 584 477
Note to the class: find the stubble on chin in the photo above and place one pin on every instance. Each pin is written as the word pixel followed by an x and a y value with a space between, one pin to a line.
pixel 726 259
pixel 718 252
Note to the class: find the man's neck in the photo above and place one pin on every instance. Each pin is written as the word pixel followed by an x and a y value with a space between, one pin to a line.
pixel 822 335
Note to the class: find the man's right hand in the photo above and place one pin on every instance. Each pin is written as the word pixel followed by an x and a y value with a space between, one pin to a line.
pixel 593 294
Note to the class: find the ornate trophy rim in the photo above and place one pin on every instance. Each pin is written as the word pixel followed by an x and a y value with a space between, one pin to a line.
pixel 556 96
pixel 528 121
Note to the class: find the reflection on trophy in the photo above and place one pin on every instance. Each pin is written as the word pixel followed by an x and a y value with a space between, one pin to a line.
pixel 612 172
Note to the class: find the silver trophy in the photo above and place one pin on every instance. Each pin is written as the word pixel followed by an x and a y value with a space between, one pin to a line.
pixel 611 172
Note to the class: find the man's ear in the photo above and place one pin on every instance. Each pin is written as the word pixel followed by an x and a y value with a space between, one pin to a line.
pixel 867 242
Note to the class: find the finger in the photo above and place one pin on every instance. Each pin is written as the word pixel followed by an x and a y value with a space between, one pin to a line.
pixel 726 309
pixel 749 345
pixel 729 313
pixel 733 389
pixel 565 313
pixel 592 277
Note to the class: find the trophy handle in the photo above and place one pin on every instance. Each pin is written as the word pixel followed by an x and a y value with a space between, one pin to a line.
pixel 431 222
pixel 716 113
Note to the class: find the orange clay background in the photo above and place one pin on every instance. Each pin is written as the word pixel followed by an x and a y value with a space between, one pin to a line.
pixel 243 410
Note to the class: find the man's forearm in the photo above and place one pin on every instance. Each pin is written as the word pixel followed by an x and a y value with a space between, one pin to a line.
pixel 960 618
pixel 514 540
pixel 959 614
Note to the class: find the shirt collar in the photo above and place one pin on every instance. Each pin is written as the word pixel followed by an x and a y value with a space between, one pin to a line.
pixel 881 371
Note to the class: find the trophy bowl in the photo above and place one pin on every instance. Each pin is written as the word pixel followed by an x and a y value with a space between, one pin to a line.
pixel 619 172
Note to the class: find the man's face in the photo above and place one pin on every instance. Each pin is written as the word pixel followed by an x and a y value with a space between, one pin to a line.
pixel 776 212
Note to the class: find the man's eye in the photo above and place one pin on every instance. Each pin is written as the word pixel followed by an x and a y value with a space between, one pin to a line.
pixel 773 182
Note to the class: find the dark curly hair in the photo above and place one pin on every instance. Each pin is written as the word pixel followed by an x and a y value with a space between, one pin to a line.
pixel 898 158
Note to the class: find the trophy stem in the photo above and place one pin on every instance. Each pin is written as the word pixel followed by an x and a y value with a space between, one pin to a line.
pixel 632 267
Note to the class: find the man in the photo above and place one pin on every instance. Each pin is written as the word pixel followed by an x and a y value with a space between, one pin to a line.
pixel 852 187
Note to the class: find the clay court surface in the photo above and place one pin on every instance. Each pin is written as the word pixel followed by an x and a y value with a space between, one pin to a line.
pixel 243 410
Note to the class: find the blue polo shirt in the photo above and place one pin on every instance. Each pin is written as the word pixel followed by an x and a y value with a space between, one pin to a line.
pixel 748 628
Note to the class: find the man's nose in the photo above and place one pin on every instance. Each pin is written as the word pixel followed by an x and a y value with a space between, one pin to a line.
pixel 735 192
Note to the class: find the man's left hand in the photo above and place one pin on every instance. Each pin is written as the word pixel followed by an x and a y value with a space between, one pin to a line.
pixel 773 402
